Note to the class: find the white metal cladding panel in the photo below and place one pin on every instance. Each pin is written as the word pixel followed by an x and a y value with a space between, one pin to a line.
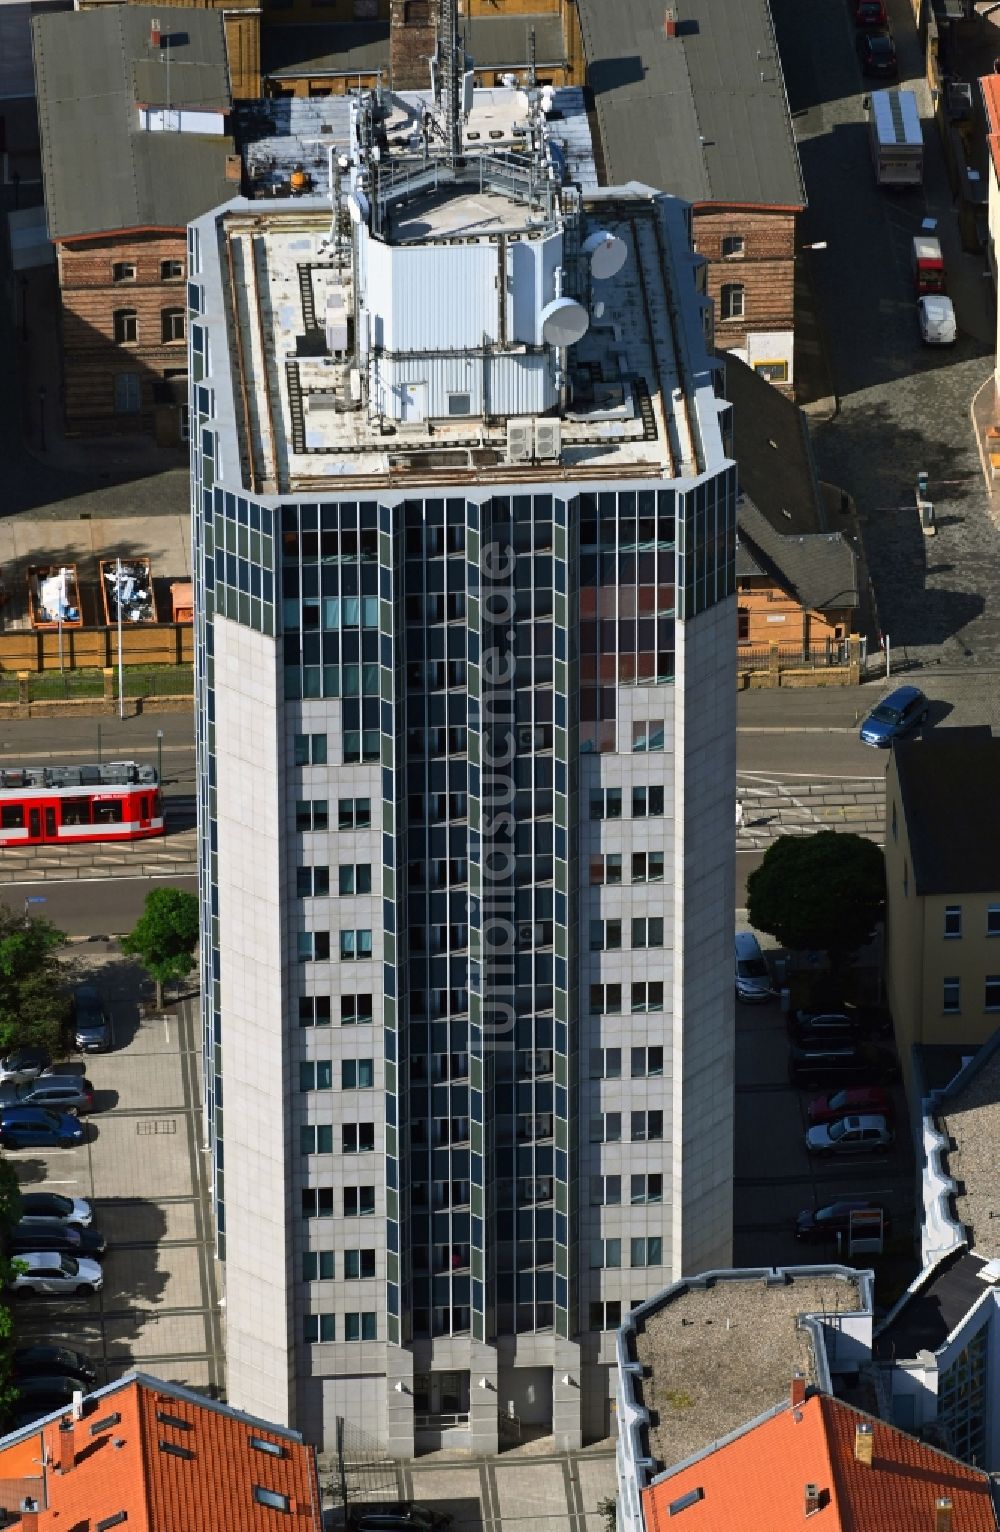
pixel 512 385
pixel 531 266
pixel 521 385
pixel 433 297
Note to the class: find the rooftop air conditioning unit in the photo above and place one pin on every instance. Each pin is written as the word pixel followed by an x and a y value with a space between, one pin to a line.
pixel 519 441
pixel 548 438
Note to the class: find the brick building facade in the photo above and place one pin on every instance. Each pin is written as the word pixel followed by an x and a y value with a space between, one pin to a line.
pixel 119 221
pixel 751 280
pixel 123 334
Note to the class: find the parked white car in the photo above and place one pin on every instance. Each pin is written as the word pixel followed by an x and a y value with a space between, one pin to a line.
pixel 50 1271
pixel 937 320
pixel 850 1135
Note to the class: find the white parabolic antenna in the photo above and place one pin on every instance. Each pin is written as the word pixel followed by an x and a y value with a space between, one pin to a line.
pixel 357 206
pixel 564 322
pixel 607 254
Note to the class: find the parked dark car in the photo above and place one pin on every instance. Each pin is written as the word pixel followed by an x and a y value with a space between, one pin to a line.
pixel 41 1394
pixel 44 1205
pixel 44 1361
pixel 877 54
pixel 23 1127
pixel 823 1026
pixel 91 1024
pixel 37 1234
pixel 903 710
pixel 61 1093
pixel 822 1225
pixel 397 1516
pixel 870 13
pixel 818 1064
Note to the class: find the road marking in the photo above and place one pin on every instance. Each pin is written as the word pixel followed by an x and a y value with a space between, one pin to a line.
pixel 821 776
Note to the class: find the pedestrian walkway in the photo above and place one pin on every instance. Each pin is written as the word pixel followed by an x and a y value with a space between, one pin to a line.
pixel 772 806
pixel 174 855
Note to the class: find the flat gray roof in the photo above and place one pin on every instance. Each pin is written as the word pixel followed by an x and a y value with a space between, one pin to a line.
pixel 92 70
pixel 948 784
pixel 719 1354
pixel 362 47
pixel 971 1119
pixel 703 114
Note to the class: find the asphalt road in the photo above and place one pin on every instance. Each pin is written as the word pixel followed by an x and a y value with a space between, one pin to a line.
pixel 790 744
pixel 904 407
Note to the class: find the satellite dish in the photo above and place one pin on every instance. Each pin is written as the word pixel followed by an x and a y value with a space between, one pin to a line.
pixel 564 322
pixel 357 206
pixel 607 252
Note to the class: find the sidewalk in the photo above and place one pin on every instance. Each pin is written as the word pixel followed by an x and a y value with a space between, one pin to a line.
pixel 815 391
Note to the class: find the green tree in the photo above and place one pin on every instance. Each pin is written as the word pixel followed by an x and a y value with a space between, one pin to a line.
pixel 33 1002
pixel 822 892
pixel 165 936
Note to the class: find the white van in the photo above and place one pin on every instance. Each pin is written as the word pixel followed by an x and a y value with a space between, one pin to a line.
pixel 753 981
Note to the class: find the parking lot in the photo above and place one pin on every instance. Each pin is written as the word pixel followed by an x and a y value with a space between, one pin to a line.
pixel 143 1168
pixel 777 1178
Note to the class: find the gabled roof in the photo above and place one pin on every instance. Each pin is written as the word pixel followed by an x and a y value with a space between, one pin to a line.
pixel 166 1457
pixel 948 786
pixel 820 570
pixel 93 70
pixel 702 114
pixel 756 1481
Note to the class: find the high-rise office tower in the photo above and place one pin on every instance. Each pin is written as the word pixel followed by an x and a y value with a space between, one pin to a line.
pixel 465 540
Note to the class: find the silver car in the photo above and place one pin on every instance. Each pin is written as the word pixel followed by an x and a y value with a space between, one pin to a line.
pixel 51 1271
pixel 850 1135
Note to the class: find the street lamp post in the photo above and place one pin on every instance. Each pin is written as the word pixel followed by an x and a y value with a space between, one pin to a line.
pixel 159 757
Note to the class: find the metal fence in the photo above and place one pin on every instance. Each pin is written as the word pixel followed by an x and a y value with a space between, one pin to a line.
pixel 358 1469
pixel 165 681
pixel 78 685
pixel 830 656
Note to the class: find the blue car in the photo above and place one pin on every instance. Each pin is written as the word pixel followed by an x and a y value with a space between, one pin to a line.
pixel 903 710
pixel 24 1126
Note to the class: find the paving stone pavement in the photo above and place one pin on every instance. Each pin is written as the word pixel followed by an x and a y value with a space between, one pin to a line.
pixel 771 808
pixel 530 1487
pixel 903 407
pixel 142 1165
pixel 172 855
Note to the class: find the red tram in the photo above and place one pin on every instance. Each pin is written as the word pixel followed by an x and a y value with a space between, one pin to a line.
pixel 63 805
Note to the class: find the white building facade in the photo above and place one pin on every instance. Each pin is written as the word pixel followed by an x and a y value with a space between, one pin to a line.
pixel 465 548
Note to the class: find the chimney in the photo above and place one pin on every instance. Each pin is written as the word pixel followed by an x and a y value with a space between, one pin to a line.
pixel 942 1515
pixel 67 1447
pixel 29 1515
pixel 864 1442
pixel 154 34
pixel 798 1391
pixel 670 22
pixel 812 1499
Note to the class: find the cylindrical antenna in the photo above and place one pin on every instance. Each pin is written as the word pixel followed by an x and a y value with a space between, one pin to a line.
pixel 452 70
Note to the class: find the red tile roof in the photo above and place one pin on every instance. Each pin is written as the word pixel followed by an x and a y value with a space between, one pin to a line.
pixel 758 1480
pixel 168 1459
pixel 990 87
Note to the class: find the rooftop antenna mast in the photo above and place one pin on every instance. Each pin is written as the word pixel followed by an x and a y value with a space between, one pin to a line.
pixel 452 66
